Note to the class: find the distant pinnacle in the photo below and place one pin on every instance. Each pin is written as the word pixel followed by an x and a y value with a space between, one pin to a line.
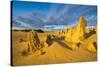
pixel 81 19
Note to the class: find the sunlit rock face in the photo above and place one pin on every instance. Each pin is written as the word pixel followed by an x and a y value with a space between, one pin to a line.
pixel 81 27
pixel 76 34
pixel 90 46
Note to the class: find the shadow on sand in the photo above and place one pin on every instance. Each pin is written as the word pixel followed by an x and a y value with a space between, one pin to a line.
pixel 95 44
pixel 52 38
pixel 87 35
pixel 63 44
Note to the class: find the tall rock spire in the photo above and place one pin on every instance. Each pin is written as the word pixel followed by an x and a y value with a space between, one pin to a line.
pixel 76 35
pixel 81 27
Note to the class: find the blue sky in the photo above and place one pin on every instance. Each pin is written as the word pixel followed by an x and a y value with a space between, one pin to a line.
pixel 41 15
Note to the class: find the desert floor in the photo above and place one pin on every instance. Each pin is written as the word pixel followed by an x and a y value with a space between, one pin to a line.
pixel 58 51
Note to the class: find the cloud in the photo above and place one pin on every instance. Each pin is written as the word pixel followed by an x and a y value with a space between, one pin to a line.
pixel 62 12
pixel 16 20
pixel 56 14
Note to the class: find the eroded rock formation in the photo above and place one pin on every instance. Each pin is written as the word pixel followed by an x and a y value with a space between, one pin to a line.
pixel 76 35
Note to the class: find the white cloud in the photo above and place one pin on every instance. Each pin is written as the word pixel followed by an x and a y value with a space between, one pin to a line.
pixel 21 22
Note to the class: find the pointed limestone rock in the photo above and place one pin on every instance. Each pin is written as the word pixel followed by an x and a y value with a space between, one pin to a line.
pixel 90 46
pixel 81 28
pixel 34 42
pixel 76 34
pixel 68 35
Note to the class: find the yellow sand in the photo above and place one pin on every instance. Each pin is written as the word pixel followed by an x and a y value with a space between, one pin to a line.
pixel 57 52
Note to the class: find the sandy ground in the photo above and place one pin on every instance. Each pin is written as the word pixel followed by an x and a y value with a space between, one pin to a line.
pixel 58 51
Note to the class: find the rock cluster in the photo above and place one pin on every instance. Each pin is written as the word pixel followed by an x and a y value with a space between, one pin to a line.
pixel 34 42
pixel 76 35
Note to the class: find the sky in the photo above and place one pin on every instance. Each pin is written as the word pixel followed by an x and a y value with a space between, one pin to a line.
pixel 50 15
